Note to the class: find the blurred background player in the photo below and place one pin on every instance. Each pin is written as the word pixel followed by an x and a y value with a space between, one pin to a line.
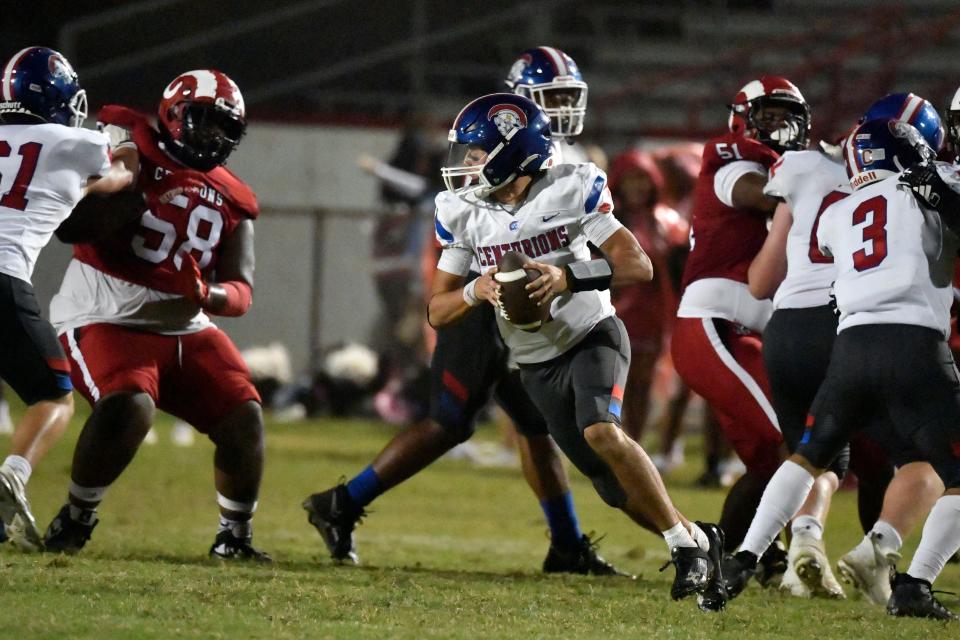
pixel 47 164
pixel 891 369
pixel 552 80
pixel 502 194
pixel 716 344
pixel 463 379
pixel 132 309
pixel 647 309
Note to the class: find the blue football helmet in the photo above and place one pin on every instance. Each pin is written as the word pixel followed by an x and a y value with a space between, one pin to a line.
pixel 912 109
pixel 878 149
pixel 551 78
pixel 40 83
pixel 495 139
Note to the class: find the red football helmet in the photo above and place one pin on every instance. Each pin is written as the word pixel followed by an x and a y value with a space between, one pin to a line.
pixel 789 133
pixel 202 118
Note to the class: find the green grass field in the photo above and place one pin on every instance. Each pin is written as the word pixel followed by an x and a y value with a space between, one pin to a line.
pixel 454 553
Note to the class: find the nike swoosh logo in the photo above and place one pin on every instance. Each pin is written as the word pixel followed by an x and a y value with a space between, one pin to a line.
pixel 172 90
pixel 549 218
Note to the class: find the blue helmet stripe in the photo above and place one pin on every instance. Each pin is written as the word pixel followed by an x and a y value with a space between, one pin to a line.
pixel 595 192
pixel 442 232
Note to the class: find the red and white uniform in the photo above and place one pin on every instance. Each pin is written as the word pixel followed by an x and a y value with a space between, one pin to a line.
pixel 43 169
pixel 716 344
pixel 121 318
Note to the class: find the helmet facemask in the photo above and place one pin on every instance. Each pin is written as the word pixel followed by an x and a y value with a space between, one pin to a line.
pixel 78 108
pixel 564 101
pixel 790 132
pixel 208 135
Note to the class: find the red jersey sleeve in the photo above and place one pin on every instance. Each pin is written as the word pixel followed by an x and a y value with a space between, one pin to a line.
pixel 732 148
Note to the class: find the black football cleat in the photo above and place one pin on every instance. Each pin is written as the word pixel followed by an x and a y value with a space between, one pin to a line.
pixel 772 565
pixel 693 571
pixel 913 598
pixel 227 546
pixel 714 595
pixel 582 559
pixel 66 535
pixel 737 571
pixel 335 517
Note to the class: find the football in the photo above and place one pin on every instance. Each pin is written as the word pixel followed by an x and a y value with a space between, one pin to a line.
pixel 516 307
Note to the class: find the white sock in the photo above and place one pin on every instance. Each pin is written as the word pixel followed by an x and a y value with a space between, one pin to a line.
pixel 809 526
pixel 20 467
pixel 678 536
pixel 940 540
pixel 92 496
pixel 699 537
pixel 887 538
pixel 783 497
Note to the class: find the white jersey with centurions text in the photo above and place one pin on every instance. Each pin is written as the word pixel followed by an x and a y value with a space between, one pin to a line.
pixel 894 260
pixel 561 152
pixel 809 182
pixel 566 207
pixel 43 169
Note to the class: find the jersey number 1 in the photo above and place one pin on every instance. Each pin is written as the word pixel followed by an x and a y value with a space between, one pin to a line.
pixel 16 198
pixel 875 233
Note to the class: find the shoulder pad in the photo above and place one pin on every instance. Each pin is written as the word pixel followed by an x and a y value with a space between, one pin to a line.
pixel 121 117
pixel 236 190
pixel 732 148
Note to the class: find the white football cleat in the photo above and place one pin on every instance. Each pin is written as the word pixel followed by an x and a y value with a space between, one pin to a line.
pixel 869 571
pixel 15 512
pixel 809 558
pixel 791 584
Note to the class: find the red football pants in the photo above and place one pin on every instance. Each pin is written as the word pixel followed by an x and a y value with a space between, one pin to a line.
pixel 198 377
pixel 722 361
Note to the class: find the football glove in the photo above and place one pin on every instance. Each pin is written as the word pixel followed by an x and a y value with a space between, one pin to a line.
pixel 933 193
pixel 190 282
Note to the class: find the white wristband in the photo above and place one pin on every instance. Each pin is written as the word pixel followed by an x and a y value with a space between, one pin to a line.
pixel 468 295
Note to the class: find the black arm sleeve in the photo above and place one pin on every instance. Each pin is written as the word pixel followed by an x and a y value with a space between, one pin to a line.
pixel 589 275
pixel 96 217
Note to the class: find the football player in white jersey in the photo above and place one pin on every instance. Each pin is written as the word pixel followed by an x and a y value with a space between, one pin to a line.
pixel 807 182
pixel 463 379
pixel 797 346
pixel 502 196
pixel 47 164
pixel 891 368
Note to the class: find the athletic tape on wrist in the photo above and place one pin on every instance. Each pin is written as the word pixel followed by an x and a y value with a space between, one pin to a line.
pixel 469 295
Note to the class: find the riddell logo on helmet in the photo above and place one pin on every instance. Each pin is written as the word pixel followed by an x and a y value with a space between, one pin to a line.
pixel 863 178
pixel 507 117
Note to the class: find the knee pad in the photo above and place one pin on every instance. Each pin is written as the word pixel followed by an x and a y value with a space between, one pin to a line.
pixel 609 489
